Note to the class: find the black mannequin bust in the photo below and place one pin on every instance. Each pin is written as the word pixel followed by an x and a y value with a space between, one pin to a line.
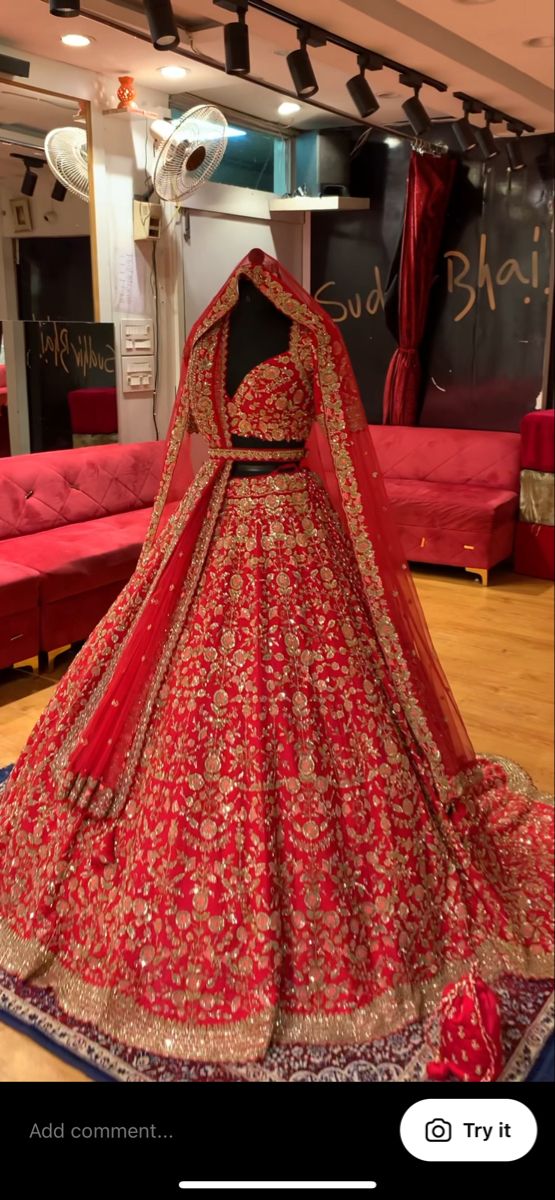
pixel 257 331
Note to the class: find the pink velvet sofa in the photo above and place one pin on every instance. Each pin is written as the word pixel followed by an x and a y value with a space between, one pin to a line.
pixel 454 493
pixel 72 523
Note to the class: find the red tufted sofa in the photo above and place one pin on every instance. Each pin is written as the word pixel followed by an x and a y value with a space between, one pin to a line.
pixel 454 493
pixel 72 523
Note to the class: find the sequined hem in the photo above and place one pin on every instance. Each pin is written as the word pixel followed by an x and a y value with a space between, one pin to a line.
pixel 121 1017
pixel 401 1057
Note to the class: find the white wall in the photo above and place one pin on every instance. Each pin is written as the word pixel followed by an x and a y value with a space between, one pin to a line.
pixel 126 267
pixel 225 223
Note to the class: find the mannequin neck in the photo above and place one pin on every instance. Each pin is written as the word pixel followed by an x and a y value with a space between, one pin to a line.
pixel 257 331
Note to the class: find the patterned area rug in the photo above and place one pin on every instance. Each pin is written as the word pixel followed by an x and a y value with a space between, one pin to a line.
pixel 400 1057
pixel 526 1010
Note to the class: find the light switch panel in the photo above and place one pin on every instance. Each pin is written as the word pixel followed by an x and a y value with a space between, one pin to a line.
pixel 138 375
pixel 137 336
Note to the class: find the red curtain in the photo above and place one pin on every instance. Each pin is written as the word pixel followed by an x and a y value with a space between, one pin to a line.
pixel 428 190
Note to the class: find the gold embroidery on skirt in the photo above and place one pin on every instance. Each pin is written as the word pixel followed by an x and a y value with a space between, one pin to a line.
pixel 121 1017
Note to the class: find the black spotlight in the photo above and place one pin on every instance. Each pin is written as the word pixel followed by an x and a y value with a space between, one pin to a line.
pixel 300 68
pixel 464 132
pixel 359 89
pixel 32 165
pixel 59 192
pixel 236 42
pixel 65 8
pixel 29 182
pixel 413 108
pixel 485 140
pixel 514 148
pixel 161 23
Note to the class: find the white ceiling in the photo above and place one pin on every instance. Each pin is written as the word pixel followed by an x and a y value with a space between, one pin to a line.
pixel 476 47
pixel 500 27
pixel 25 118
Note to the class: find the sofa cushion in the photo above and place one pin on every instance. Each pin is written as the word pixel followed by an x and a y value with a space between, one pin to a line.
pixel 458 456
pixel 77 558
pixel 19 588
pixel 453 506
pixel 63 487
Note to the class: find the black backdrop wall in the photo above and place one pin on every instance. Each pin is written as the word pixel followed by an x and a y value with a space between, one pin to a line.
pixel 54 279
pixel 484 348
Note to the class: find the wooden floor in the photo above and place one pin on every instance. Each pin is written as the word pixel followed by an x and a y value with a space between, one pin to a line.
pixel 496 645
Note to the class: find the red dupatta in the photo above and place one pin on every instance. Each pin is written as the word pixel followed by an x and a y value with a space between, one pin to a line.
pixel 101 762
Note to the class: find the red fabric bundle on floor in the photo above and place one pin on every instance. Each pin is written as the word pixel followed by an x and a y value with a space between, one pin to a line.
pixel 470 1039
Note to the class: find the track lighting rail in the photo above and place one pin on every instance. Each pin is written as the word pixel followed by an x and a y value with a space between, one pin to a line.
pixel 287 18
pixel 310 35
pixel 495 114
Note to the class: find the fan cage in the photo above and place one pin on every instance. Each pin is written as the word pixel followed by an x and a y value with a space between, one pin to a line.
pixel 66 154
pixel 203 128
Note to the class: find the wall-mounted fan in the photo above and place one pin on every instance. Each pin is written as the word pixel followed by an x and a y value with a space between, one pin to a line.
pixel 189 151
pixel 66 155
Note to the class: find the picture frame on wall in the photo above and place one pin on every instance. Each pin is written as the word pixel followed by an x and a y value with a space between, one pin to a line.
pixel 21 215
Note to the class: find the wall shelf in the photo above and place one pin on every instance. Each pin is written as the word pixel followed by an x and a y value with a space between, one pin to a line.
pixel 131 113
pixel 320 204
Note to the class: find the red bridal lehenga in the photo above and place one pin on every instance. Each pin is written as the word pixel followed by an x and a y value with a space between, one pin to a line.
pixel 249 826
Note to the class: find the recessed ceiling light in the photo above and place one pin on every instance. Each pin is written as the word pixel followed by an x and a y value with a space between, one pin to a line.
pixel 76 40
pixel 389 95
pixel 173 72
pixel 540 43
pixel 473 1
pixel 288 108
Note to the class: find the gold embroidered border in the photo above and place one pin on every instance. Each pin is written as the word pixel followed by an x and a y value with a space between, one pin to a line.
pixel 179 426
pixel 238 454
pixel 111 803
pixel 170 536
pixel 122 1018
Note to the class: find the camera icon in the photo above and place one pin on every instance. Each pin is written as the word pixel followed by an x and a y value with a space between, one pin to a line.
pixel 438 1130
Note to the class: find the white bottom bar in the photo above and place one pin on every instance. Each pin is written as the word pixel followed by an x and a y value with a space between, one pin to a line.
pixel 302 1184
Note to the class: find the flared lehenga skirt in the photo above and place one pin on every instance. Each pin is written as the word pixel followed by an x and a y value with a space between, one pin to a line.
pixel 282 870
